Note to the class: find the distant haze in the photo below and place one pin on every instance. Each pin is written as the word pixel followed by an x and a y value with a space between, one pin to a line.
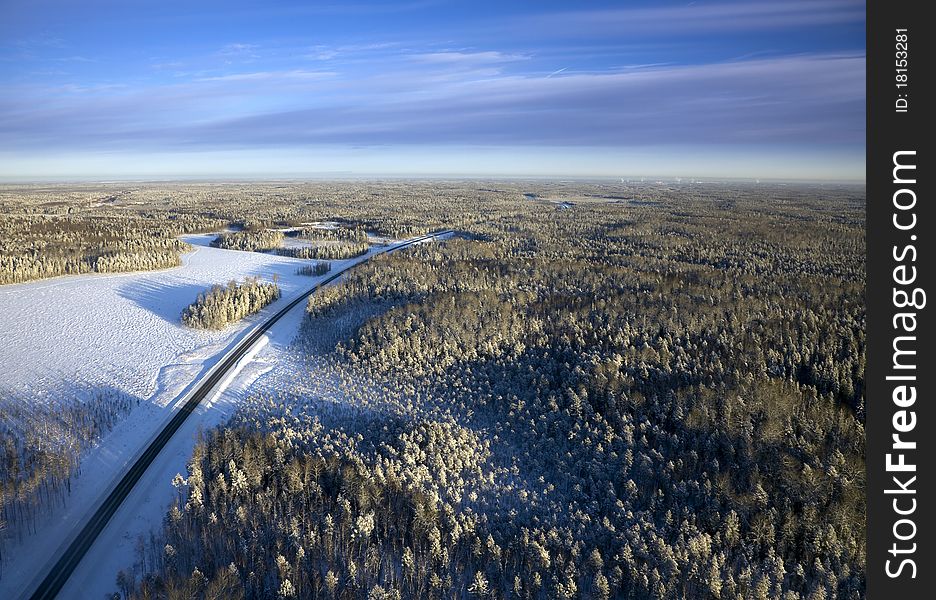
pixel 749 89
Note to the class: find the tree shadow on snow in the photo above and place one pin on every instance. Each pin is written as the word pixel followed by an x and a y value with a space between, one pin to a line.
pixel 166 301
pixel 283 271
pixel 199 239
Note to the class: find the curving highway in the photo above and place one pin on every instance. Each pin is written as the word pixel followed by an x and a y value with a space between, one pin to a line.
pixel 62 569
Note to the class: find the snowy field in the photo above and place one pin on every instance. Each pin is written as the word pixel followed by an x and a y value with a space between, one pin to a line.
pixel 146 506
pixel 122 332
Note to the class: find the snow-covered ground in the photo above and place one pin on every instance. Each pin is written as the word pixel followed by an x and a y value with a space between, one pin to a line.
pixel 122 332
pixel 144 509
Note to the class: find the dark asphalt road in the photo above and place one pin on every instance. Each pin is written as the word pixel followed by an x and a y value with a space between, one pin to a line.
pixel 63 568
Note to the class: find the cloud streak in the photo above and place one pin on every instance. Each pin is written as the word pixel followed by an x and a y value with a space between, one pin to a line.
pixel 468 58
pixel 792 100
pixel 295 74
pixel 698 18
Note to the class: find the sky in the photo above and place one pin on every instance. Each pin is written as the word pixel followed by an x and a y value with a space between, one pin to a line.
pixel 771 89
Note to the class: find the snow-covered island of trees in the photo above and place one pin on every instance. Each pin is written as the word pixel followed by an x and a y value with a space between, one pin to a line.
pixel 223 305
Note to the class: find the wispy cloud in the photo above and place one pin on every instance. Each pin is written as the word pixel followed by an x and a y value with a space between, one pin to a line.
pixel 321 53
pixel 794 100
pixel 468 58
pixel 239 53
pixel 697 18
pixel 41 40
pixel 171 65
pixel 238 49
pixel 75 58
pixel 296 74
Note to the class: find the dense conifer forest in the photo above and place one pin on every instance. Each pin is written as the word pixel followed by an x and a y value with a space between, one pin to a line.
pixel 329 251
pixel 37 247
pixel 40 449
pixel 222 305
pixel 264 240
pixel 592 391
pixel 51 231
pixel 330 232
pixel 315 269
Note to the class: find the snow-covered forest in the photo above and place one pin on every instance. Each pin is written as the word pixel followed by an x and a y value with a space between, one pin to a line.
pixel 331 251
pixel 651 392
pixel 41 447
pixel 315 269
pixel 263 240
pixel 222 305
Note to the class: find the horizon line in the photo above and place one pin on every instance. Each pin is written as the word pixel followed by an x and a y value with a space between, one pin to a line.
pixel 651 179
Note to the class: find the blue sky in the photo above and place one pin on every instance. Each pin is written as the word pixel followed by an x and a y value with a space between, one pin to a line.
pixel 128 88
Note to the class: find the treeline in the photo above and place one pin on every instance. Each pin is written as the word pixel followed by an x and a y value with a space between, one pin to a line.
pixel 41 445
pixel 329 251
pixel 264 240
pixel 221 305
pixel 37 247
pixel 314 270
pixel 336 233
